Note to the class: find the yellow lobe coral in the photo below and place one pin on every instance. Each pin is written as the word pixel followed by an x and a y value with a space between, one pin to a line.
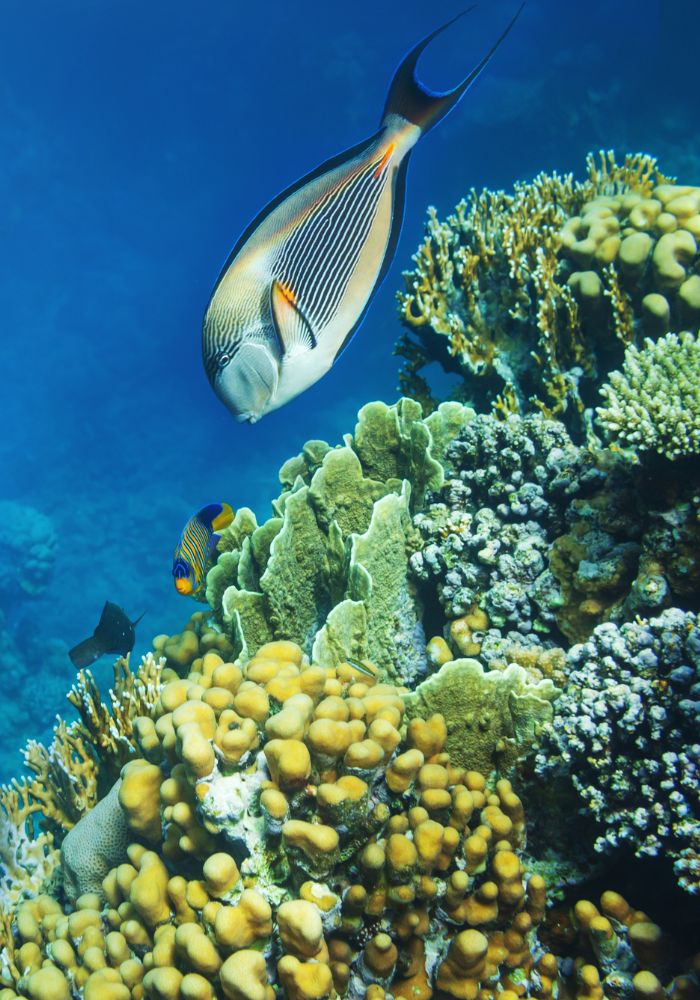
pixel 139 797
pixel 301 930
pixel 240 926
pixel 305 980
pixel 289 762
pixel 149 890
pixel 244 977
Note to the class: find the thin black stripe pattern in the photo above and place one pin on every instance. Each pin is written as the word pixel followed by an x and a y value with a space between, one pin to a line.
pixel 216 342
pixel 318 259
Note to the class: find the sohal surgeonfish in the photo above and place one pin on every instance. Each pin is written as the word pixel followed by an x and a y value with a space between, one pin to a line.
pixel 115 633
pixel 196 546
pixel 299 280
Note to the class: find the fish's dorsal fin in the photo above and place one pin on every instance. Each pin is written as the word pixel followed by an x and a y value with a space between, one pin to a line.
pixel 294 332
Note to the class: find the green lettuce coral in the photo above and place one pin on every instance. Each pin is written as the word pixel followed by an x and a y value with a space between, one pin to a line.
pixel 329 569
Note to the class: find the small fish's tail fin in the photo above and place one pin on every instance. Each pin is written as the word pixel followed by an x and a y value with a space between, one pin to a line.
pixel 223 519
pixel 216 515
pixel 86 652
pixel 412 100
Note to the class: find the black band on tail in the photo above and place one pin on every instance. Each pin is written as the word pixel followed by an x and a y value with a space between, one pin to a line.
pixel 412 100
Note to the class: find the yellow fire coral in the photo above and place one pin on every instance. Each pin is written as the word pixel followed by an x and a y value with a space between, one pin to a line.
pixel 538 293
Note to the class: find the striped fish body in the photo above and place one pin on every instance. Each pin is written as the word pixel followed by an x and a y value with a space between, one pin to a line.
pixel 197 543
pixel 299 280
pixel 299 285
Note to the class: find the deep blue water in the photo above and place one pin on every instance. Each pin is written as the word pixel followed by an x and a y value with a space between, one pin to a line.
pixel 136 142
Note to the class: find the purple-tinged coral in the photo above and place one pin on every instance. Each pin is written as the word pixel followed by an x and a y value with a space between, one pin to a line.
pixel 626 733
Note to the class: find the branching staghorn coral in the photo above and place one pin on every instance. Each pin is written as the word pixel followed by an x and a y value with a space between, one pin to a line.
pixel 27 855
pixel 653 404
pixel 65 777
pixel 532 297
pixel 109 731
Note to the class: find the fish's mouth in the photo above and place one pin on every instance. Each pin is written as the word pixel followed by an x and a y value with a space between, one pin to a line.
pixel 183 585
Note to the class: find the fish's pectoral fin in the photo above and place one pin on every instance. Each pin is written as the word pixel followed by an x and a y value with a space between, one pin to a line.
pixel 294 331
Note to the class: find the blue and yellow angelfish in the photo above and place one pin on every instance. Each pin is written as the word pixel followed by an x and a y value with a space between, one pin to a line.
pixel 196 546
pixel 300 279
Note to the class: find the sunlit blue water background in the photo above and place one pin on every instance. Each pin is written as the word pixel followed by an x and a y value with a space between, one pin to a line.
pixel 136 141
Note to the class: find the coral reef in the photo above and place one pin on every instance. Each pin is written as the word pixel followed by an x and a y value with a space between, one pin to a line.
pixel 653 404
pixel 27 550
pixel 298 796
pixel 533 297
pixel 328 570
pixel 487 533
pixel 626 735
pixel 545 539
pixel 493 715
pixel 617 950
pixel 323 847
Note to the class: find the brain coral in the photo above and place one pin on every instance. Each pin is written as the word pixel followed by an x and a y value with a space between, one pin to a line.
pixel 626 734
pixel 535 295
pixel 653 404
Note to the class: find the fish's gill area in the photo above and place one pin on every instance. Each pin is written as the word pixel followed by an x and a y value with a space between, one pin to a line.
pixel 430 726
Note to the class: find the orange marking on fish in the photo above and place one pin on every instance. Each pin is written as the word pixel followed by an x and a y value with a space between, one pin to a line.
pixel 289 293
pixel 183 585
pixel 385 159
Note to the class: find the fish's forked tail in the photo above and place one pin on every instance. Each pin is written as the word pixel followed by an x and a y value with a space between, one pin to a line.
pixel 412 100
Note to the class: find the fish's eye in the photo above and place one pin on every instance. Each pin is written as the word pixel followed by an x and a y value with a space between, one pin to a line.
pixel 222 360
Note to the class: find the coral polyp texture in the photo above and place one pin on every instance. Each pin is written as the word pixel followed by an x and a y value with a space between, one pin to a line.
pixel 313 790
pixel 626 733
pixel 533 296
pixel 653 403
pixel 285 825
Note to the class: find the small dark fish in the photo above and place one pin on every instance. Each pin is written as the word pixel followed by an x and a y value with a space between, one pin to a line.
pixel 300 279
pixel 196 547
pixel 115 633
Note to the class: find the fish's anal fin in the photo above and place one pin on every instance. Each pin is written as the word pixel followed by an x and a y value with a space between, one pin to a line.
pixel 293 329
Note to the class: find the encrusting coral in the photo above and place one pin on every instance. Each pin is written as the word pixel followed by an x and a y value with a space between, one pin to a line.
pixel 626 735
pixel 533 297
pixel 653 403
pixel 532 540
